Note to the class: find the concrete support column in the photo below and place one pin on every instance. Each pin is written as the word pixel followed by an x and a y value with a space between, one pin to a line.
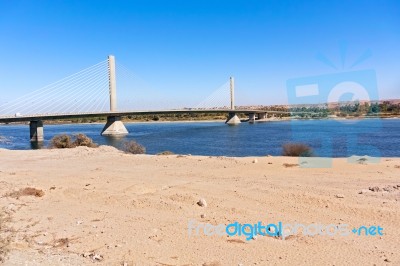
pixel 252 117
pixel 232 89
pixel 112 83
pixel 36 131
pixel 114 127
pixel 233 119
pixel 262 115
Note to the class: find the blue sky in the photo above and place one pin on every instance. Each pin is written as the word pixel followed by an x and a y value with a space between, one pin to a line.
pixel 190 48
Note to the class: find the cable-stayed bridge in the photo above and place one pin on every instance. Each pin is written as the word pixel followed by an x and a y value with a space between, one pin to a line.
pixel 92 92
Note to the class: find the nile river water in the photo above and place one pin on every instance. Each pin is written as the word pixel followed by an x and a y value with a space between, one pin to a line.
pixel 328 138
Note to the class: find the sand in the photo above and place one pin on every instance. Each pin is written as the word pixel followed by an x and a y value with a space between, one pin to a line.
pixel 101 206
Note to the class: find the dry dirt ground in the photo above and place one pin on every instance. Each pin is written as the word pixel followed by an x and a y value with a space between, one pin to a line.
pixel 100 206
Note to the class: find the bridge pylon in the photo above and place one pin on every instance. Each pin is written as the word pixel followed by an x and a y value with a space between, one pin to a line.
pixel 233 119
pixel 112 83
pixel 114 125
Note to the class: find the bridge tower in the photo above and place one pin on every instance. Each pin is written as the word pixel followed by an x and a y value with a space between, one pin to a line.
pixel 232 89
pixel 112 83
pixel 233 119
pixel 114 125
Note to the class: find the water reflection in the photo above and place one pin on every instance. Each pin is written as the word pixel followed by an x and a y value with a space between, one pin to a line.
pixel 115 141
pixel 35 145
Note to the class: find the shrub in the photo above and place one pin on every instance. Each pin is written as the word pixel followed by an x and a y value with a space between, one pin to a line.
pixel 61 142
pixel 133 147
pixel 297 150
pixel 64 141
pixel 83 140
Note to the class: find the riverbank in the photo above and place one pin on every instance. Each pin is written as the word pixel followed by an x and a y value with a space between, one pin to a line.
pixel 102 205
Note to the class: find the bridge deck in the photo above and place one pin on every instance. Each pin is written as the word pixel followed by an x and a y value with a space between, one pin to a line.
pixel 35 117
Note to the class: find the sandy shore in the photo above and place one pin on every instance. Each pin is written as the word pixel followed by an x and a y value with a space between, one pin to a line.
pixel 102 206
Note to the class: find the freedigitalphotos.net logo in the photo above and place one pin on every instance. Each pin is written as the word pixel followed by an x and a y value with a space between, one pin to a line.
pixel 280 230
pixel 330 90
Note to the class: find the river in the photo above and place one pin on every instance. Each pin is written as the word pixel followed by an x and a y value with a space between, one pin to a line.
pixel 328 138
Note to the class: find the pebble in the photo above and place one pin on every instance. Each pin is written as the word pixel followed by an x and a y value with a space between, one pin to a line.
pixel 339 196
pixel 97 257
pixel 202 215
pixel 255 161
pixel 202 203
pixel 363 191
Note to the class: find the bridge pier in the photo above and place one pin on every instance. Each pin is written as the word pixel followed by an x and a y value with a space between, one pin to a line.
pixel 252 118
pixel 36 131
pixel 114 127
pixel 233 119
pixel 262 115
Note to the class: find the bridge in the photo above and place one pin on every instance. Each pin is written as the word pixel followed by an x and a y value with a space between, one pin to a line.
pixel 87 94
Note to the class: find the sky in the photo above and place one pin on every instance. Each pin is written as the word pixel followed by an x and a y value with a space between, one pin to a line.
pixel 188 49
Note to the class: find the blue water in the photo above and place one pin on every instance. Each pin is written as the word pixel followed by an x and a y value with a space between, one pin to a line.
pixel 328 138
